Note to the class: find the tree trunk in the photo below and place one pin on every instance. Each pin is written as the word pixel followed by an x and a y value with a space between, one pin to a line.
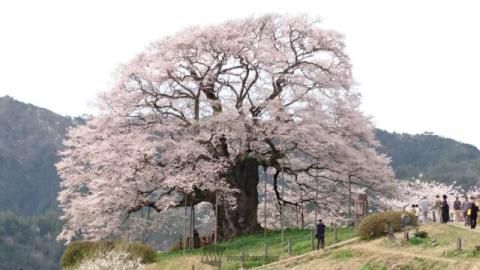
pixel 243 218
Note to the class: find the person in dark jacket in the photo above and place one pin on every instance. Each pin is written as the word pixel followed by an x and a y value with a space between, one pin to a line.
pixel 473 215
pixel 196 239
pixel 445 210
pixel 320 234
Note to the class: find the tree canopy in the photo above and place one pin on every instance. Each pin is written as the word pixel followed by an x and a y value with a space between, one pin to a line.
pixel 192 117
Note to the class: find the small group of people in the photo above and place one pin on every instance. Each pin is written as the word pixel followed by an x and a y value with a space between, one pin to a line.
pixel 198 241
pixel 466 211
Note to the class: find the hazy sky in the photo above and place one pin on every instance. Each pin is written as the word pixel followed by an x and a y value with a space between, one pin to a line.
pixel 415 62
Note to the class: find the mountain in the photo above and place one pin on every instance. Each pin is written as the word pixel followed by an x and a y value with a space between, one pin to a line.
pixel 435 157
pixel 29 140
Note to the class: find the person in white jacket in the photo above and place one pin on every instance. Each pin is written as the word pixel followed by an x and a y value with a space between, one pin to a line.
pixel 424 207
pixel 437 210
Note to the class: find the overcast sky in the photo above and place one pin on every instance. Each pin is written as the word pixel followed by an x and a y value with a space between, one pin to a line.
pixel 415 62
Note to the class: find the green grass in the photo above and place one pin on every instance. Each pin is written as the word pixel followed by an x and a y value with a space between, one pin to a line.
pixel 374 266
pixel 253 245
pixel 343 255
pixel 382 254
pixel 461 253
pixel 417 241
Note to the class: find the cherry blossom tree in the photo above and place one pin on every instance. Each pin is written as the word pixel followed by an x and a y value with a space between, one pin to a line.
pixel 409 192
pixel 191 118
pixel 329 209
pixel 118 260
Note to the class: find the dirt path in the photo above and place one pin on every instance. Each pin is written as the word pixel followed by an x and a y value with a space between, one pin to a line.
pixel 309 254
pixel 371 247
pixel 373 250
pixel 461 226
pixel 314 259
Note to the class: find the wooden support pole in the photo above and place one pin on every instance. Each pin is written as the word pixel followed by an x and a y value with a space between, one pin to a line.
pixel 289 247
pixel 242 256
pixel 349 204
pixel 191 226
pixel 282 206
pixel 296 214
pixel 216 219
pixel 302 219
pixel 265 250
pixel 313 239
pixel 316 196
pixel 459 244
pixel 185 227
pixel 265 210
pixel 335 239
pixel 389 231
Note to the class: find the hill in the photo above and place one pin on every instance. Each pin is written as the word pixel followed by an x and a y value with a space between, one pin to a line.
pixel 437 251
pixel 29 140
pixel 252 246
pixel 435 157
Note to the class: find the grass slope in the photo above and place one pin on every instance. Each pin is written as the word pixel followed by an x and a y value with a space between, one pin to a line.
pixel 382 254
pixel 252 245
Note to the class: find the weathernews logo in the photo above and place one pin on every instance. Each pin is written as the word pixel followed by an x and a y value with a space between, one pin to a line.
pixel 213 255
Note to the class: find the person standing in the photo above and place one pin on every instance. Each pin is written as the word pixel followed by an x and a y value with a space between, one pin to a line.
pixel 417 213
pixel 424 206
pixel 320 234
pixel 196 239
pixel 465 207
pixel 412 209
pixel 404 218
pixel 437 211
pixel 473 215
pixel 212 238
pixel 445 208
pixel 457 210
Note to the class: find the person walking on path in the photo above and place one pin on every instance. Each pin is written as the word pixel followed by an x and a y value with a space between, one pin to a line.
pixel 320 234
pixel 424 207
pixel 445 208
pixel 437 211
pixel 457 210
pixel 473 215
pixel 465 207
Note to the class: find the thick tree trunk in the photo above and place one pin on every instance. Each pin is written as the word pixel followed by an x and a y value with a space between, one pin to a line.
pixel 243 218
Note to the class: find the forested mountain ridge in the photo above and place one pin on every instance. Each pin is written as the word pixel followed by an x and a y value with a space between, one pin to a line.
pixel 436 157
pixel 30 138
